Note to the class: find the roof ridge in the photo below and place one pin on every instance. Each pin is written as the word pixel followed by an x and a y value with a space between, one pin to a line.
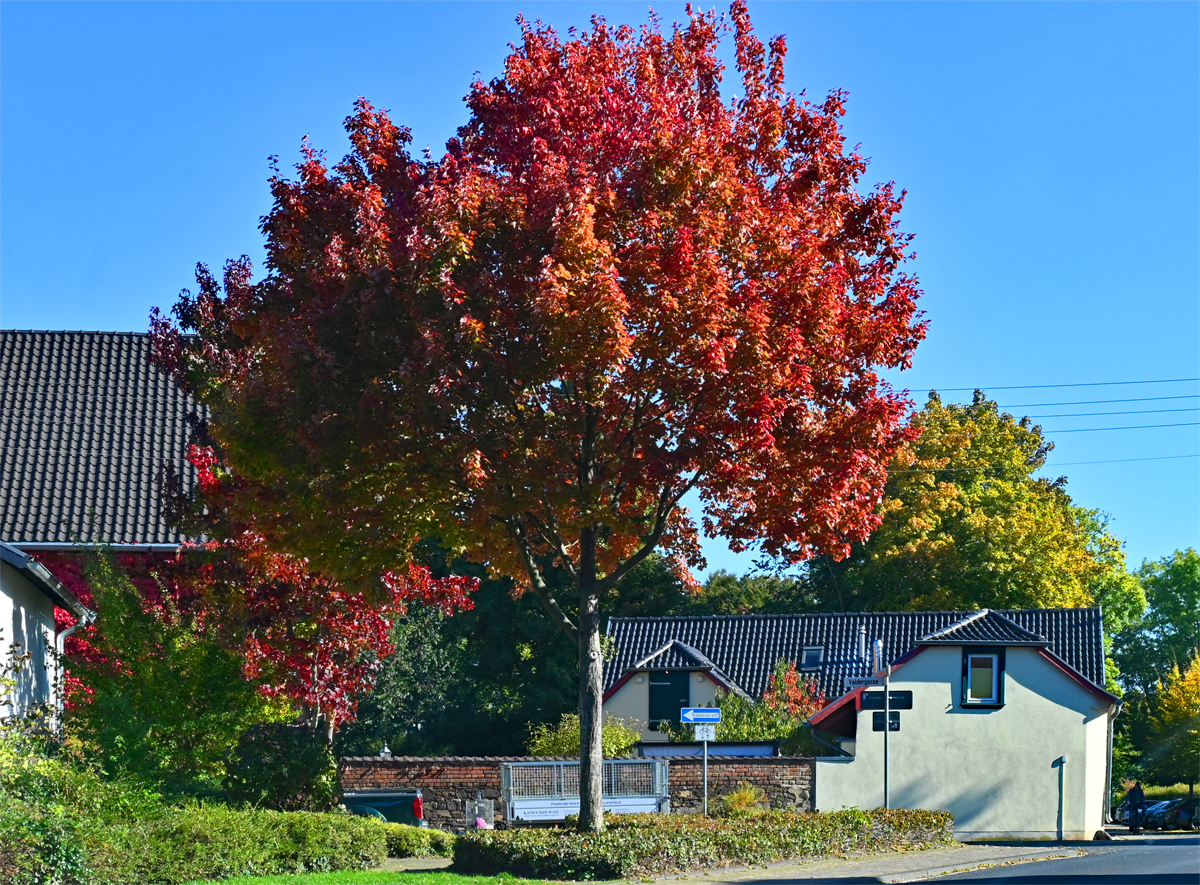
pixel 957 625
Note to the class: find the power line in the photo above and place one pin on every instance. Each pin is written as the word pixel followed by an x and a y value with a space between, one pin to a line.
pixel 1094 414
pixel 1130 427
pixel 1088 384
pixel 1097 402
pixel 1043 467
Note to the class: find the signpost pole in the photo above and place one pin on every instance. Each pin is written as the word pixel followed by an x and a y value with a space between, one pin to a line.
pixel 706 777
pixel 887 730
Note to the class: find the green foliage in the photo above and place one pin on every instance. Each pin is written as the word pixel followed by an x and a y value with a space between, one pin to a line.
pixel 967 524
pixel 406 841
pixel 1174 752
pixel 562 739
pixel 166 701
pixel 468 684
pixel 654 845
pixel 1168 633
pixel 282 767
pixel 747 800
pixel 61 822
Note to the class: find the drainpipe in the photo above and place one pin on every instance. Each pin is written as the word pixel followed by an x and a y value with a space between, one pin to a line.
pixel 84 618
pixel 1108 771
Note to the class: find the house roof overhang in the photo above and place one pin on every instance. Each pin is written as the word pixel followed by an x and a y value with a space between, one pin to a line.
pixel 41 578
pixel 840 716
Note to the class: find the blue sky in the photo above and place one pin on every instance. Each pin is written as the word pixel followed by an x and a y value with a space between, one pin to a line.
pixel 1051 153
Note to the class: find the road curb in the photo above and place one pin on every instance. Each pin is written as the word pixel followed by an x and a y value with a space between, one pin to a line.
pixel 969 866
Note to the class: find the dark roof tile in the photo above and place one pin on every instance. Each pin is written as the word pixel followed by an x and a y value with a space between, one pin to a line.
pixel 87 423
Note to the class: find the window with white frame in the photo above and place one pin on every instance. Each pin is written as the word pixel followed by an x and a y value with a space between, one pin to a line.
pixel 983 677
pixel 811 658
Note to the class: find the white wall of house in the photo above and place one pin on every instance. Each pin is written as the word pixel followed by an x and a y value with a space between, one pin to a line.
pixel 632 700
pixel 994 769
pixel 27 617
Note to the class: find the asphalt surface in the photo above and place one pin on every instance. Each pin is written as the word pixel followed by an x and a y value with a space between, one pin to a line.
pixel 1167 860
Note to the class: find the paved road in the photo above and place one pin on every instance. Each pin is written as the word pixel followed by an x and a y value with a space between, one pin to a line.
pixel 1163 861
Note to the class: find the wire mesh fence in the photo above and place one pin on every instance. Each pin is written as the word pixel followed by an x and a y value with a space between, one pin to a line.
pixel 560 780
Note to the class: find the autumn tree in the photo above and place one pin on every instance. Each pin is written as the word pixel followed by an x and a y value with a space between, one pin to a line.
pixel 1174 755
pixel 614 288
pixel 967 523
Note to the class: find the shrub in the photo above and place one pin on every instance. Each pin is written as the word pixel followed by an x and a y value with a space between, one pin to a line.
pixel 746 801
pixel 655 845
pixel 562 739
pixel 282 767
pixel 406 841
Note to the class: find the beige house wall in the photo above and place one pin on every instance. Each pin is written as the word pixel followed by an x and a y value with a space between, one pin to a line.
pixel 995 770
pixel 632 699
pixel 27 617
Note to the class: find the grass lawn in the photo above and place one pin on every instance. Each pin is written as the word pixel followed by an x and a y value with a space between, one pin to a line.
pixel 412 877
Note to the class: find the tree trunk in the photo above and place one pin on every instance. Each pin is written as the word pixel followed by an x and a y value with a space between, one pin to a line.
pixel 591 672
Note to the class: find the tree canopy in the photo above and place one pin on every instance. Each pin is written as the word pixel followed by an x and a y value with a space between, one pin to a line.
pixel 615 287
pixel 967 524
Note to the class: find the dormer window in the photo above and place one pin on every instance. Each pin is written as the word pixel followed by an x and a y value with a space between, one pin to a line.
pixel 811 658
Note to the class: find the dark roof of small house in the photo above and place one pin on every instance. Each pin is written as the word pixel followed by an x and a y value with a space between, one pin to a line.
pixel 676 655
pixel 86 425
pixel 746 647
pixel 984 627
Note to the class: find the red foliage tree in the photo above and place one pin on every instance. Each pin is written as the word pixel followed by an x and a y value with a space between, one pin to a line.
pixel 613 289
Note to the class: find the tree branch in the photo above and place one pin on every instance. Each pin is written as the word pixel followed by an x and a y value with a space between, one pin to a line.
pixel 666 503
pixel 539 584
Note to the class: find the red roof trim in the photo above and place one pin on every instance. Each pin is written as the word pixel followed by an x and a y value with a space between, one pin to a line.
pixel 616 685
pixel 1078 677
pixel 856 695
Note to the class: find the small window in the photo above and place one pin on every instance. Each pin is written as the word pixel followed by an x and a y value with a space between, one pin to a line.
pixel 983 677
pixel 811 658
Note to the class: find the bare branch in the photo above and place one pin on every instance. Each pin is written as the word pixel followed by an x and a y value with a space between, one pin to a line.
pixel 667 502
pixel 539 584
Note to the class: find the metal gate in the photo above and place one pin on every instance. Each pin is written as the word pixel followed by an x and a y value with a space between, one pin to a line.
pixel 550 790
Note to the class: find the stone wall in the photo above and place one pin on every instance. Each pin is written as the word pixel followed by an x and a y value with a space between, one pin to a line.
pixel 787 781
pixel 448 782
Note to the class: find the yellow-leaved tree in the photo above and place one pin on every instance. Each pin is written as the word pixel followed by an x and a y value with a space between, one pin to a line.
pixel 1174 756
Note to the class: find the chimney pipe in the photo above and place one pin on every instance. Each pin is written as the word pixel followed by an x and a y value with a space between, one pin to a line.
pixel 877 655
pixel 862 642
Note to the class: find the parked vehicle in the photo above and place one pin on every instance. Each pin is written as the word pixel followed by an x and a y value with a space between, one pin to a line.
pixel 1154 815
pixel 1120 814
pixel 396 806
pixel 1178 814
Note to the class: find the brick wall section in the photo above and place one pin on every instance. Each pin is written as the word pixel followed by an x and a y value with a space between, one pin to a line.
pixel 787 781
pixel 447 782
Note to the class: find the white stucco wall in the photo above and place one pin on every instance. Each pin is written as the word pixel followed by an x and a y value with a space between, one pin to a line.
pixel 994 770
pixel 27 617
pixel 632 700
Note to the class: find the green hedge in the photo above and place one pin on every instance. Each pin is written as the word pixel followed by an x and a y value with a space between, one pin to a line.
pixel 62 824
pixel 654 845
pixel 406 841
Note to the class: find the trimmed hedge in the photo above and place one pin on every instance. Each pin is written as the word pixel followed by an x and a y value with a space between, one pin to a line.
pixel 640 845
pixel 62 824
pixel 406 841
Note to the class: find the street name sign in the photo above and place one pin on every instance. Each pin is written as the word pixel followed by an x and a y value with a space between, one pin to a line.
pixel 853 682
pixel 706 732
pixel 710 715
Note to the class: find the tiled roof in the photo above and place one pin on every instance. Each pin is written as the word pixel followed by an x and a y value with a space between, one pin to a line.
pixel 676 655
pixel 984 627
pixel 86 423
pixel 746 647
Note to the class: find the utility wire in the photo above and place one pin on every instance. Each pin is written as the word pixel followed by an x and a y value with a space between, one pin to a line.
pixel 1086 384
pixel 1043 467
pixel 1101 414
pixel 1097 402
pixel 1130 427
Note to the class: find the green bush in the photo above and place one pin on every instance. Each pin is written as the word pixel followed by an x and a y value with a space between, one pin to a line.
pixel 654 845
pixel 617 737
pixel 406 841
pixel 283 767
pixel 61 822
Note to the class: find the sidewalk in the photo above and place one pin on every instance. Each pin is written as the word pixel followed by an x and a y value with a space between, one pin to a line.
pixel 896 866
pixel 893 866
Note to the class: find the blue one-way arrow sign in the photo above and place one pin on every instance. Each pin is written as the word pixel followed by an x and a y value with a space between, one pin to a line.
pixel 700 714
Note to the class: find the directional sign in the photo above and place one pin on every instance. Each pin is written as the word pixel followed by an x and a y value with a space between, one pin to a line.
pixel 706 732
pixel 893 721
pixel 853 682
pixel 700 714
pixel 897 700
